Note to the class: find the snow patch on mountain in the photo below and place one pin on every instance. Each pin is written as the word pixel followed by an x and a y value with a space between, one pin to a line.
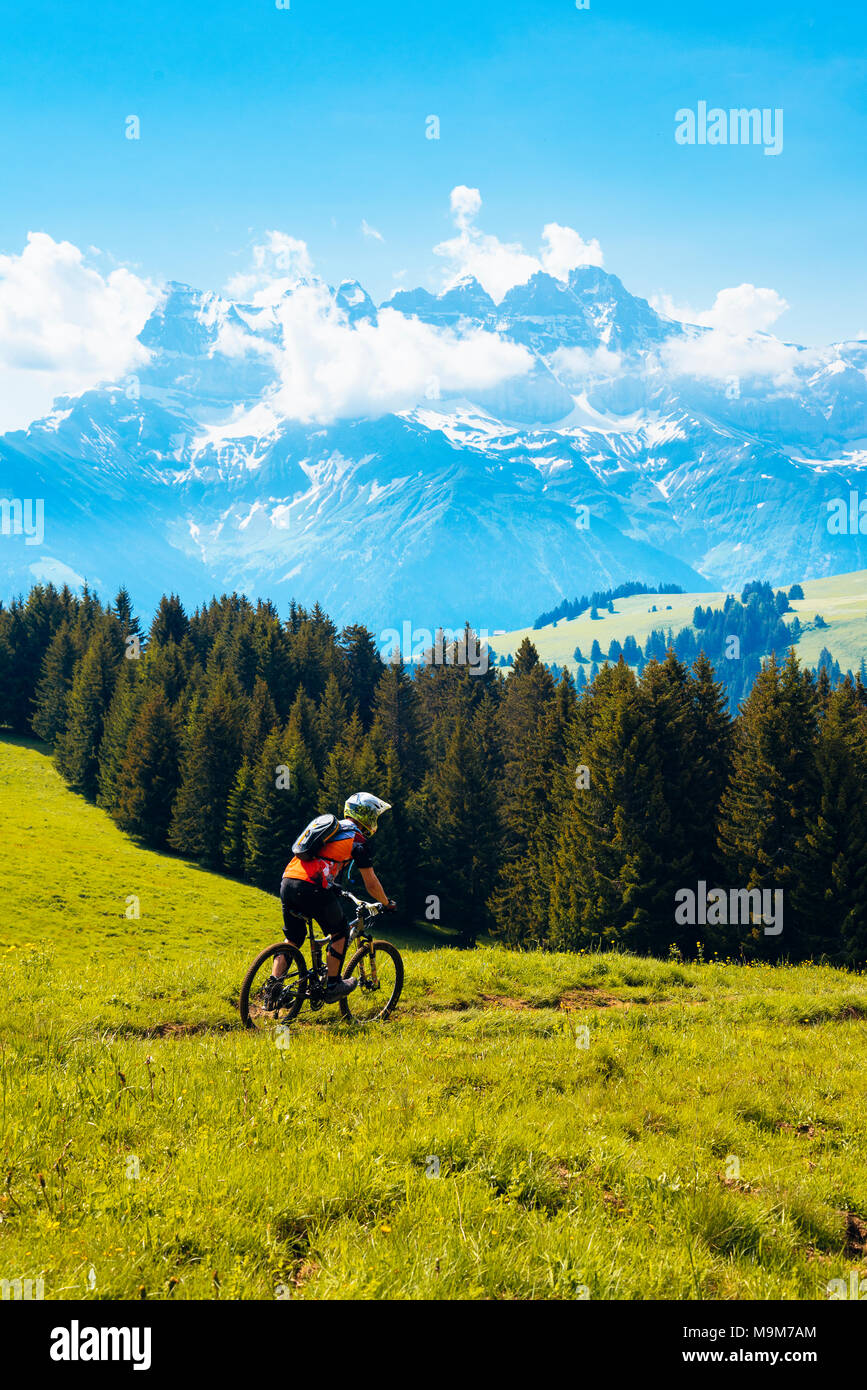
pixel 428 458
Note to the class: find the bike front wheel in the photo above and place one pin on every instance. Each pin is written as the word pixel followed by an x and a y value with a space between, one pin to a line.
pixel 259 1011
pixel 378 968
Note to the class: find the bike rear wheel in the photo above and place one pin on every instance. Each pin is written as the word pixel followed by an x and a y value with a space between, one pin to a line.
pixel 252 1004
pixel 378 967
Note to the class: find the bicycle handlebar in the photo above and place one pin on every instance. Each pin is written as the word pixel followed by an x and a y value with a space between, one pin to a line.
pixel 360 902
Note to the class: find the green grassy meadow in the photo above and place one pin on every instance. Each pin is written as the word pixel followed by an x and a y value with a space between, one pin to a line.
pixel 841 600
pixel 526 1126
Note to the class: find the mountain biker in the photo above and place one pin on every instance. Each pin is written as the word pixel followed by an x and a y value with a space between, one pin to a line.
pixel 309 889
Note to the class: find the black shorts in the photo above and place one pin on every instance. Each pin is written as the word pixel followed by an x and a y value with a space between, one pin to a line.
pixel 301 900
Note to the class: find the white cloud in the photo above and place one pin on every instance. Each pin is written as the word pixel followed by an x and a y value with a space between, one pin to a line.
pixel 740 309
pixel 739 344
pixel 64 327
pixel 498 265
pixel 51 571
pixel 574 365
pixel 371 231
pixel 565 249
pixel 720 356
pixel 279 264
pixel 330 369
pixel 466 204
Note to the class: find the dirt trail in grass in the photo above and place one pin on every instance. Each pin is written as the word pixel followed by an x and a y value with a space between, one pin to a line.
pixel 571 1000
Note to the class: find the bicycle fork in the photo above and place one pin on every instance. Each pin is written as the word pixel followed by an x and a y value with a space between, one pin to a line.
pixel 370 955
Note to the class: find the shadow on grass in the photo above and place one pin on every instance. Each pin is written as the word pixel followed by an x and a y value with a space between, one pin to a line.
pixel 24 741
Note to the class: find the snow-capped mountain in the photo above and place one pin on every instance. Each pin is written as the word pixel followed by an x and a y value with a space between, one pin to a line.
pixel 615 453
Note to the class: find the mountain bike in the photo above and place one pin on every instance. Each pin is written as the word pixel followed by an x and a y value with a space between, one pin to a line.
pixel 377 965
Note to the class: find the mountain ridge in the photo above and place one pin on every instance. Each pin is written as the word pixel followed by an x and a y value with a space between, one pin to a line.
pixel 603 461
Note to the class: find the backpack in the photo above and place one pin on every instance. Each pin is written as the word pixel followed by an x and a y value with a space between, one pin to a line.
pixel 315 836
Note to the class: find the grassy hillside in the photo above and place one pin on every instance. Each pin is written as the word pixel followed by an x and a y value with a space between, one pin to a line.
pixel 841 601
pixel 703 1138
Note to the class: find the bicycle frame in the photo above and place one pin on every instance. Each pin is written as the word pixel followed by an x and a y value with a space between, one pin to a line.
pixel 355 932
pixel 364 912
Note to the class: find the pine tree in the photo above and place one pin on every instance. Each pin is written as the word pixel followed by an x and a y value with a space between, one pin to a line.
pixel 87 613
pixel 169 667
pixel 171 623
pixel 526 658
pixel 55 684
pixel 330 718
pixel 303 727
pixel 612 796
pixel 396 714
pixel 712 750
pixel 129 623
pixel 26 631
pixel 234 847
pixel 522 798
pixel 260 720
pixel 147 781
pixel 664 696
pixel 771 797
pixel 363 669
pixel 687 726
pixel 830 892
pixel 458 832
pixel 313 653
pixel 339 780
pixel 535 724
pixel 77 748
pixel 129 693
pixel 393 847
pixel 823 685
pixel 341 776
pixel 273 661
pixel 211 756
pixel 631 651
pixel 283 797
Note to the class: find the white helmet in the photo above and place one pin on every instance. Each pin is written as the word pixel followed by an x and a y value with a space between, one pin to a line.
pixel 365 809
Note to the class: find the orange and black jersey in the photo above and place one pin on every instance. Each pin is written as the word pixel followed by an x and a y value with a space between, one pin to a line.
pixel 349 844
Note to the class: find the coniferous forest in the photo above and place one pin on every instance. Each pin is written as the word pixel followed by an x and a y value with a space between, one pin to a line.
pixel 520 807
pixel 755 621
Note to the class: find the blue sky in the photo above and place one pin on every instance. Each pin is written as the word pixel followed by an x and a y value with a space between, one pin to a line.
pixel 310 119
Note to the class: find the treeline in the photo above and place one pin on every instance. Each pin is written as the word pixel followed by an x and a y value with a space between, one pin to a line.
pixel 600 598
pixel 734 638
pixel 550 818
